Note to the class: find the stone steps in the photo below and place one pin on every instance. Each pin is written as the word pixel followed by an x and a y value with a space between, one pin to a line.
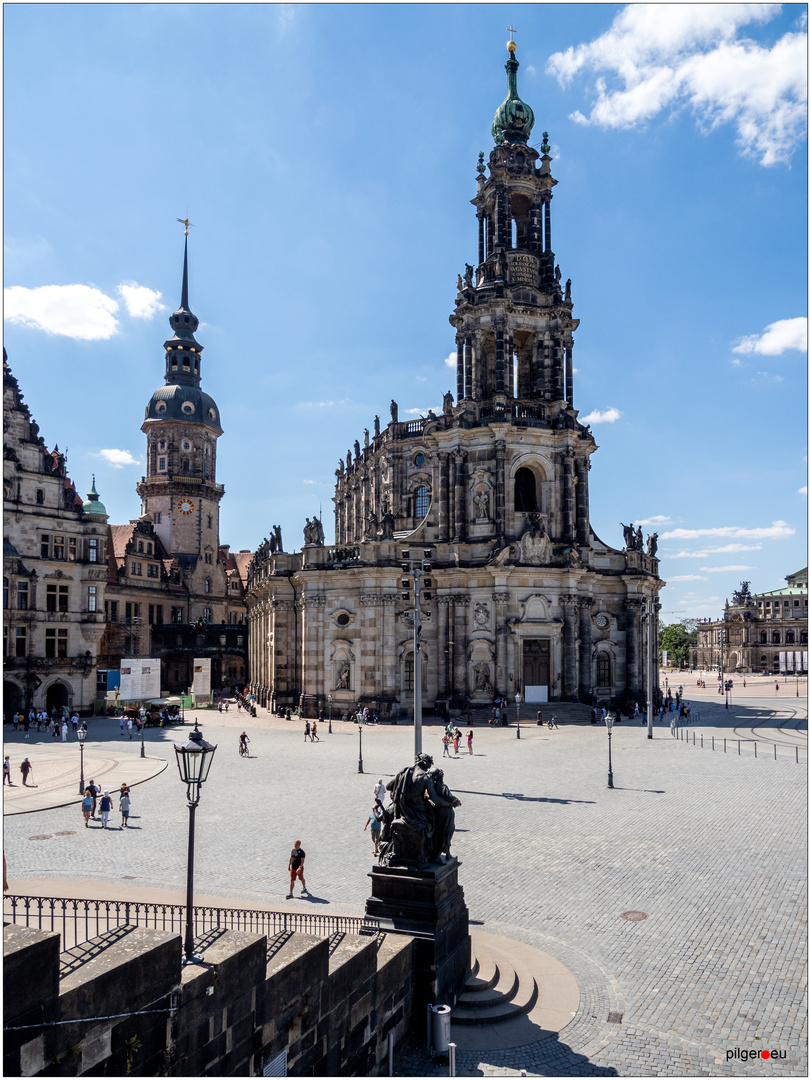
pixel 496 990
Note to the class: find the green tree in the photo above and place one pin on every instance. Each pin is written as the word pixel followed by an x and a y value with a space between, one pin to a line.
pixel 677 641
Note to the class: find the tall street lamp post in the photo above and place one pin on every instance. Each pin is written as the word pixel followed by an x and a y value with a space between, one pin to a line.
pixel 329 699
pixel 360 744
pixel 81 735
pixel 143 725
pixel 518 715
pixel 194 759
pixel 416 568
pixel 609 723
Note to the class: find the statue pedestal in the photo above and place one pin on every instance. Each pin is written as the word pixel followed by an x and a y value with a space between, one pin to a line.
pixel 429 905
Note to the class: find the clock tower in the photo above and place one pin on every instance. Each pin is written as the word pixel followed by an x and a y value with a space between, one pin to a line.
pixel 180 493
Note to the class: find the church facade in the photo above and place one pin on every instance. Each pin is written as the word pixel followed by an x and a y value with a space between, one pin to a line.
pixel 521 597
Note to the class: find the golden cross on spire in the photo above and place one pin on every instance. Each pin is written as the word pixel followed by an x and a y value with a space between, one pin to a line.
pixel 511 32
pixel 187 224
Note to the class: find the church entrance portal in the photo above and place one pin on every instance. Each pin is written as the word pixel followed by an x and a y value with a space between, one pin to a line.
pixel 536 670
pixel 56 696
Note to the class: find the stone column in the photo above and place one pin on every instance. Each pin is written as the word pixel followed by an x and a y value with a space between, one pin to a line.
pixel 546 366
pixel 480 216
pixel 569 605
pixel 443 495
pixel 460 687
pixel 569 377
pixel 499 361
pixel 460 367
pixel 633 607
pixel 582 493
pixel 442 645
pixel 459 500
pixel 501 489
pixel 567 463
pixel 547 213
pixel 557 370
pixel 501 631
pixel 478 367
pixel 535 228
pixel 584 687
pixel 468 368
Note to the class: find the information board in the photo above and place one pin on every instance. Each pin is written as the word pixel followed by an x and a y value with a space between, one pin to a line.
pixel 201 683
pixel 140 679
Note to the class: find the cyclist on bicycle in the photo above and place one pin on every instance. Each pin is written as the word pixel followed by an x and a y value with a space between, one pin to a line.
pixel 243 743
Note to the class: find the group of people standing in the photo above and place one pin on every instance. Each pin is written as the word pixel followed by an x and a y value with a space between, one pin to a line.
pixel 54 722
pixel 453 736
pixel 94 798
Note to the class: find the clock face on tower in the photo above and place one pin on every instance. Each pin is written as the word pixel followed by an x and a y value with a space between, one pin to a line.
pixel 185 506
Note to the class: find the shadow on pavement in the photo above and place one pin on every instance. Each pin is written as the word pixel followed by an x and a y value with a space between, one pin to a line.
pixel 519 796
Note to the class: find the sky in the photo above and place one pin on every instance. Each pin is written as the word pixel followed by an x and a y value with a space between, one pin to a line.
pixel 326 156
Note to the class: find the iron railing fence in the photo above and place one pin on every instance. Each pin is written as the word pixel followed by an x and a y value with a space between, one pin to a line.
pixel 80 920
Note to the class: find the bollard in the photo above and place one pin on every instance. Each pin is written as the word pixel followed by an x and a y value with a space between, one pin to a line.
pixel 713 742
pixel 775 751
pixel 694 738
pixel 451 1059
pixel 797 755
pixel 755 749
pixel 725 746
pixel 441 1027
pixel 702 740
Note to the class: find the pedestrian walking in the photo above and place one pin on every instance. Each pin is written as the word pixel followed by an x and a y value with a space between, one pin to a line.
pixel 7 771
pixel 15 720
pixel 445 741
pixel 94 791
pixel 314 732
pixel 87 804
pixel 64 731
pixel 296 868
pixel 552 722
pixel 75 721
pixel 219 706
pixel 105 807
pixel 25 768
pixel 129 727
pixel 121 722
pixel 307 731
pixel 776 690
pixel 26 725
pixel 470 741
pixel 376 823
pixel 124 807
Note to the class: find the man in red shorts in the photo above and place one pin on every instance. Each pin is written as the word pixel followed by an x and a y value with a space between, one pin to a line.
pixel 296 868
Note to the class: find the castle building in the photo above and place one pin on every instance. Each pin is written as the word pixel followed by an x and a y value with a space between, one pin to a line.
pixel 758 632
pixel 54 570
pixel 522 596
pixel 79 594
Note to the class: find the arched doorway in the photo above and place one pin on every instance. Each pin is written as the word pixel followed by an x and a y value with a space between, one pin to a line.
pixel 12 699
pixel 56 696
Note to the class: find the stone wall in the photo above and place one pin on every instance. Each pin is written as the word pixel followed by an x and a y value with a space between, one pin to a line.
pixel 121 1004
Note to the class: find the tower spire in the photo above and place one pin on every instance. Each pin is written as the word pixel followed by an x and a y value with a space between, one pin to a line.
pixel 183 360
pixel 184 291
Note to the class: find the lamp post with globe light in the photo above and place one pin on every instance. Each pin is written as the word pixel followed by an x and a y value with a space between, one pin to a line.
pixel 194 759
pixel 518 715
pixel 609 723
pixel 81 735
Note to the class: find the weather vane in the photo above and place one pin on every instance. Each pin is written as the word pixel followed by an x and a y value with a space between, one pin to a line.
pixel 187 224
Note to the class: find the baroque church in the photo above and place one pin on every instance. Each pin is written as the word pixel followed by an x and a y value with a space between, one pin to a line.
pixel 81 595
pixel 521 597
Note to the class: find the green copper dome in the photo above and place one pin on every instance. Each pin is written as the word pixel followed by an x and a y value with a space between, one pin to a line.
pixel 514 118
pixel 93 504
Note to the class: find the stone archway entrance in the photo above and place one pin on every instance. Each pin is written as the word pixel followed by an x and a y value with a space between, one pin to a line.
pixel 56 696
pixel 535 652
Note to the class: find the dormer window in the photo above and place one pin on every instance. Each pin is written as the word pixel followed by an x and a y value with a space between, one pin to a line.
pixel 161 406
pixel 187 408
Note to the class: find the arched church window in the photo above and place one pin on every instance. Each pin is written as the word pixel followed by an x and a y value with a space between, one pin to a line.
pixel 421 501
pixel 764 637
pixel 790 637
pixel 603 669
pixel 526 492
pixel 207 586
pixel 803 637
pixel 776 637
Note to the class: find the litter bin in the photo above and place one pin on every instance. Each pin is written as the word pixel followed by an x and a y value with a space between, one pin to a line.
pixel 440 1028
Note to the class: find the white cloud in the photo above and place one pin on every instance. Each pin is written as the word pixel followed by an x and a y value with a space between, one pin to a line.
pixel 657 519
pixel 80 312
pixel 725 549
pixel 777 338
pixel 450 360
pixel 723 569
pixel 686 577
pixel 597 417
pixel 119 459
pixel 420 378
pixel 419 412
pixel 803 490
pixel 140 302
pixel 778 530
pixel 530 70
pixel 658 57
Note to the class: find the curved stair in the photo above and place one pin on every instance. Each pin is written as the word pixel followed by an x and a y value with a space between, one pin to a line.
pixel 495 991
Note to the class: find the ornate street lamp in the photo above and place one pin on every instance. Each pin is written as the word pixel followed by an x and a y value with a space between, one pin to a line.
pixel 329 699
pixel 81 735
pixel 518 715
pixel 360 743
pixel 609 723
pixel 194 759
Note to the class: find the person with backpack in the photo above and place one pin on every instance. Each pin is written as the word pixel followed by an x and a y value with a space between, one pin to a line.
pixel 375 820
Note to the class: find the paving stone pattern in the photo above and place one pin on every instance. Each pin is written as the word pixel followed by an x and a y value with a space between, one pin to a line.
pixel 711 847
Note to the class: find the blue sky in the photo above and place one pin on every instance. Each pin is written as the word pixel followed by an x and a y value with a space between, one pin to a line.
pixel 326 155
